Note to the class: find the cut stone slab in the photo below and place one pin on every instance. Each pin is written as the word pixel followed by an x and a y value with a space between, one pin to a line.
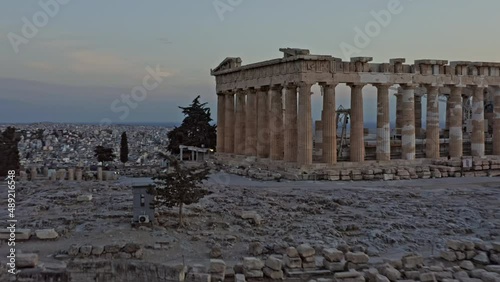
pixel 305 250
pixel 254 273
pixel 84 198
pixel 274 264
pixel 481 258
pixel 26 260
pixel 449 256
pixel 217 266
pixel 46 234
pixel 21 234
pixel 295 262
pixel 273 274
pixel 253 215
pixel 333 255
pixel 251 263
pixel 291 252
pixel 357 257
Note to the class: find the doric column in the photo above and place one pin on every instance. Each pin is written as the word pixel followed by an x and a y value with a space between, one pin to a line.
pixel 383 123
pixel 239 124
pixel 304 121
pixel 448 112
pixel 455 116
pixel 290 123
pixel 276 124
pixel 432 128
pixel 251 123
pixel 477 138
pixel 408 131
pixel 221 112
pixel 418 114
pixel 229 124
pixel 399 110
pixel 357 139
pixel 329 124
pixel 262 124
pixel 496 121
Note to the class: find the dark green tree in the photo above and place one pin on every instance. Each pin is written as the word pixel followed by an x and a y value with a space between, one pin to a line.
pixel 104 154
pixel 182 186
pixel 124 148
pixel 195 129
pixel 9 153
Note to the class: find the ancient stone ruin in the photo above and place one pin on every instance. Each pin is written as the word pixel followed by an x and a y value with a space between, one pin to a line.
pixel 255 122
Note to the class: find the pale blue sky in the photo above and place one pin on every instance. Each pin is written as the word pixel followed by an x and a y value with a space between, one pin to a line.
pixel 93 51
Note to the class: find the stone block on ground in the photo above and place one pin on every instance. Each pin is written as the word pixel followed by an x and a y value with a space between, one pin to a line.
pixel 357 257
pixel 274 263
pixel 292 262
pixel 305 250
pixel 252 263
pixel 333 255
pixel 46 234
pixel 26 260
pixel 273 274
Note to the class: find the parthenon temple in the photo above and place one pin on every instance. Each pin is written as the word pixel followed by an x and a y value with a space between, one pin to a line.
pixel 264 109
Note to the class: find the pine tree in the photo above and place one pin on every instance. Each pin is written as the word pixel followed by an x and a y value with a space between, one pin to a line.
pixel 180 187
pixel 195 129
pixel 9 153
pixel 124 148
pixel 104 154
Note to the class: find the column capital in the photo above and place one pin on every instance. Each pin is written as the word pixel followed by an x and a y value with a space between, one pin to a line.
pixel 304 84
pixel 328 84
pixel 276 87
pixel 229 92
pixel 356 84
pixel 410 86
pixel 432 86
pixel 289 85
pixel 382 85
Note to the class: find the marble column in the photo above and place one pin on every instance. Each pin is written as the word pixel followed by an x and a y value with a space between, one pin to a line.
pixel 329 124
pixel 477 138
pixel 78 174
pixel 448 112
pixel 455 117
pixel 262 124
pixel 304 121
pixel 221 112
pixel 239 124
pixel 33 173
pixel 276 124
pixel 418 114
pixel 432 128
pixel 383 150
pixel 399 110
pixel 408 131
pixel 357 139
pixel 229 124
pixel 290 138
pixel 251 124
pixel 496 121
pixel 99 173
pixel 71 174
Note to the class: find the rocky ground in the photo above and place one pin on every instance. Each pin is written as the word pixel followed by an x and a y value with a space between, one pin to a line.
pixel 386 219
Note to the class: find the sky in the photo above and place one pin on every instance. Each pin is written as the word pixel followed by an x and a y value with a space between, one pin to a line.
pixel 83 57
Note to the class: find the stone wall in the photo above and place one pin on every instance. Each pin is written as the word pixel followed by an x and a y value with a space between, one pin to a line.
pixel 265 169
